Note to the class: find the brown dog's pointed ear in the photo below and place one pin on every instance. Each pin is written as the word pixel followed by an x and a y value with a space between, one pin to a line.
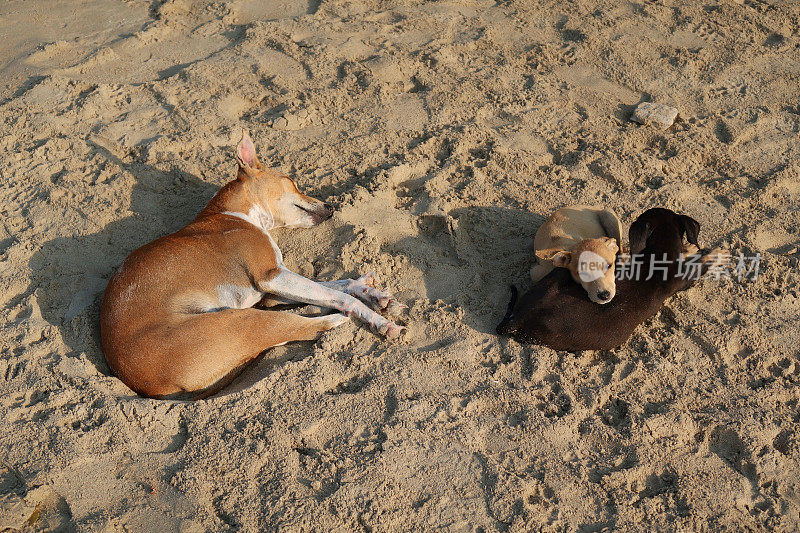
pixel 560 258
pixel 246 152
pixel 691 227
pixel 637 236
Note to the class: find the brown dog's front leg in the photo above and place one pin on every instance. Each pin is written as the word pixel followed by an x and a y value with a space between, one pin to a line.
pixel 287 284
pixel 364 289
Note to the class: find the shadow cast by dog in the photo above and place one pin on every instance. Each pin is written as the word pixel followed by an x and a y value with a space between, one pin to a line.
pixel 469 257
pixel 69 274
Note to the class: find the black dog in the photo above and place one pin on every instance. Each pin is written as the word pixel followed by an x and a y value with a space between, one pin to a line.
pixel 557 313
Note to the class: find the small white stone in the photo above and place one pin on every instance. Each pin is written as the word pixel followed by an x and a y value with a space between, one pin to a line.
pixel 280 123
pixel 659 115
pixel 293 122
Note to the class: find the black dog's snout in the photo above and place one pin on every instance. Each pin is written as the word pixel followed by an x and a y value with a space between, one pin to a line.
pixel 604 295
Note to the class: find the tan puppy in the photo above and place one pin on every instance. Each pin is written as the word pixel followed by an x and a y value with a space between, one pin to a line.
pixel 584 240
pixel 177 317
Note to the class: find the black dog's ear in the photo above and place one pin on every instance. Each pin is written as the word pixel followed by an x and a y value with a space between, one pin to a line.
pixel 637 236
pixel 691 227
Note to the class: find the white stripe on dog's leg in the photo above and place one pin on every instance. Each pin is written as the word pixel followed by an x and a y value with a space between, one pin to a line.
pixel 377 299
pixel 287 284
pixel 333 320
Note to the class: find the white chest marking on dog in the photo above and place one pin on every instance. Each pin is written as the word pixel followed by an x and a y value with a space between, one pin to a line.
pixel 278 253
pixel 257 216
pixel 236 297
pixel 262 219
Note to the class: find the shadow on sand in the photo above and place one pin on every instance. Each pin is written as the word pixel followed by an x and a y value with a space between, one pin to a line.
pixel 470 256
pixel 68 274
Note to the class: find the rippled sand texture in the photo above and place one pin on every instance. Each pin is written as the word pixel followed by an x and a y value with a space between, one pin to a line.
pixel 444 132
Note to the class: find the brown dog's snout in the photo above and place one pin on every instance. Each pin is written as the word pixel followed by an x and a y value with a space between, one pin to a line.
pixel 322 213
pixel 604 295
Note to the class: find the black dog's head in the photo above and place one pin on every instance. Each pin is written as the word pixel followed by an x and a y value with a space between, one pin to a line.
pixel 660 224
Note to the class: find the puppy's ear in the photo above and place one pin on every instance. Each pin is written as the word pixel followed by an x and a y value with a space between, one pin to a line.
pixel 246 152
pixel 562 259
pixel 637 236
pixel 559 257
pixel 691 228
pixel 611 242
pixel 548 253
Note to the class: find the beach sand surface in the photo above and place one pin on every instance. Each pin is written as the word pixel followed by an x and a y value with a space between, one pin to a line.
pixel 444 133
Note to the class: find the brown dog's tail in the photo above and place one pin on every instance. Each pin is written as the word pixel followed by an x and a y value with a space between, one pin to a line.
pixel 506 327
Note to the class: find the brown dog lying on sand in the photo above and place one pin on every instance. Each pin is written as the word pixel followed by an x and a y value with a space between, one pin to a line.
pixel 177 317
pixel 556 312
pixel 585 240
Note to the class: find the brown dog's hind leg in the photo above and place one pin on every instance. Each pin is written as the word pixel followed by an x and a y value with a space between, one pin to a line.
pixel 210 349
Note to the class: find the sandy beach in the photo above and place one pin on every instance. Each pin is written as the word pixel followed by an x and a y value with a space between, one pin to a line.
pixel 444 133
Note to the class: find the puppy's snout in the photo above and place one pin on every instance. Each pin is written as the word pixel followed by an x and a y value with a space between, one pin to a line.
pixel 328 210
pixel 604 296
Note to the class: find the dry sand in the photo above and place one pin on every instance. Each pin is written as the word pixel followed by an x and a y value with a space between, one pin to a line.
pixel 444 132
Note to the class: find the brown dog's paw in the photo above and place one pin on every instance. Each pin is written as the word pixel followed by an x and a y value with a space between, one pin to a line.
pixel 391 330
pixel 395 308
pixel 376 299
pixel 367 279
pixel 379 301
